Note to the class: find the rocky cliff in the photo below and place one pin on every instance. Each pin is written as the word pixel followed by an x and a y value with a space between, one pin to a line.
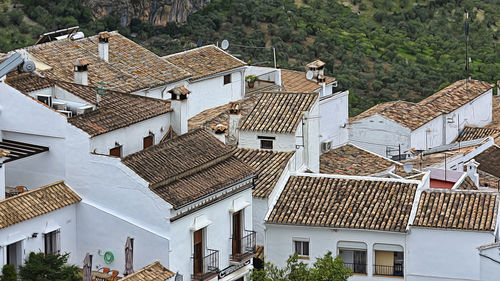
pixel 156 12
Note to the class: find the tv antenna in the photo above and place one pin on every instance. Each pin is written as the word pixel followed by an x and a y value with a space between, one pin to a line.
pixel 467 59
pixel 224 44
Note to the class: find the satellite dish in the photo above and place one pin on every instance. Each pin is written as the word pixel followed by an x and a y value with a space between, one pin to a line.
pixel 29 66
pixel 309 75
pixel 408 167
pixel 225 44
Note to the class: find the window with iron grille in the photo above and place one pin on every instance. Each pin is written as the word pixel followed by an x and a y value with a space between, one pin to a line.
pixel 52 242
pixel 301 248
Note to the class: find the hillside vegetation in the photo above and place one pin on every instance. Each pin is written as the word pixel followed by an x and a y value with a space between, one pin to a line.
pixel 380 50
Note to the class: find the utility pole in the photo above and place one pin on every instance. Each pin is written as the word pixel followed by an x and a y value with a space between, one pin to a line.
pixel 467 50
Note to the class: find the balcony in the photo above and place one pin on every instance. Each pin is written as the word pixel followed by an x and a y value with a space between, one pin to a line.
pixel 389 270
pixel 359 268
pixel 206 267
pixel 243 247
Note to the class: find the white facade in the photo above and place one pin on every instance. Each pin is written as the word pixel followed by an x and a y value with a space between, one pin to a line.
pixel 489 260
pixel 334 117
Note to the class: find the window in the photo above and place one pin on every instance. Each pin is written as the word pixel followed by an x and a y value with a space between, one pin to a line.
pixel 266 142
pixel 227 79
pixel 355 259
pixel 116 151
pixel 301 248
pixel 148 141
pixel 52 242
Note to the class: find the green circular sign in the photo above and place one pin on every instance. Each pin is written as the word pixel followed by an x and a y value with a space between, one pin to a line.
pixel 109 257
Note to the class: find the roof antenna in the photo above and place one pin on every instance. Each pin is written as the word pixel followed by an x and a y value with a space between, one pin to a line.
pixel 467 59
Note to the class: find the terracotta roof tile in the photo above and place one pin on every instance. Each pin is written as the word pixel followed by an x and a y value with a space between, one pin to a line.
pixel 472 133
pixel 188 167
pixel 467 184
pixel 278 112
pixel 152 272
pixel 130 67
pixel 204 61
pixel 351 160
pixel 296 81
pixel 4 153
pixel 489 161
pixel 269 166
pixel 465 210
pixel 345 203
pixel 35 203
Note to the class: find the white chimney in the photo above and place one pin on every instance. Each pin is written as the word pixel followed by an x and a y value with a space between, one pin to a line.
pixel 3 154
pixel 472 171
pixel 103 45
pixel 81 72
pixel 179 104
pixel 234 123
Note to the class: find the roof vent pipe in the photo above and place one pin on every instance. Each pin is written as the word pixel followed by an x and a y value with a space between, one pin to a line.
pixel 103 45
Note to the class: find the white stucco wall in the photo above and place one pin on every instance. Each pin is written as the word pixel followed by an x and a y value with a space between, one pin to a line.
pixel 428 135
pixel 376 133
pixel 131 137
pixel 217 234
pixel 334 115
pixel 444 254
pixel 489 263
pixel 279 243
pixel 283 142
pixel 63 219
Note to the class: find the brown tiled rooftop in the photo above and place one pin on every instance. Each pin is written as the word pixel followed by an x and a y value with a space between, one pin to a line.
pixel 130 67
pixel 278 112
pixel 204 61
pixel 188 167
pixel 489 160
pixel 340 202
pixel 352 160
pixel 152 272
pixel 269 166
pixel 463 210
pixel 472 133
pixel 467 184
pixel 35 203
pixel 4 153
pixel 296 81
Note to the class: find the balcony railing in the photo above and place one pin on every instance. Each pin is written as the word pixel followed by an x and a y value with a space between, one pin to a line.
pixel 356 267
pixel 210 265
pixel 389 270
pixel 246 246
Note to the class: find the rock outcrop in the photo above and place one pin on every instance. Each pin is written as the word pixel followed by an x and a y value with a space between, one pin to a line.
pixel 156 12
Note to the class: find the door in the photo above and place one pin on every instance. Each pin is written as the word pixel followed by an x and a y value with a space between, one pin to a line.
pixel 198 252
pixel 147 141
pixel 14 254
pixel 237 234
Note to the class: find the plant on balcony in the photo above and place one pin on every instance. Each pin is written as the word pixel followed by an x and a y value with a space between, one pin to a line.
pixel 326 268
pixel 9 273
pixel 41 266
pixel 251 80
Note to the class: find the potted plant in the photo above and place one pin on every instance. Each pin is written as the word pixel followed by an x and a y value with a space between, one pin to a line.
pixel 251 80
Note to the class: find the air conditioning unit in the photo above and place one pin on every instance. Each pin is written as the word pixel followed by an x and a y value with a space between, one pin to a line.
pixel 326 146
pixel 84 109
pixel 47 99
pixel 57 105
pixel 66 112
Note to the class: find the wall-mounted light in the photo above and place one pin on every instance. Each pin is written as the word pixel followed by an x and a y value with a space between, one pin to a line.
pixel 34 235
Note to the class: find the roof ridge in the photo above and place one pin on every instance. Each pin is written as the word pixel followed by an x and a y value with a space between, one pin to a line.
pixel 356 178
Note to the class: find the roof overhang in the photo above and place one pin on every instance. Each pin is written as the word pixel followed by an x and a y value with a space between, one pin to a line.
pixel 19 150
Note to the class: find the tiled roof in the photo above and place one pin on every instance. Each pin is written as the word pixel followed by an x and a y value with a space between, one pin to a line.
pixel 152 272
pixel 467 184
pixel 278 112
pixel 342 202
pixel 472 133
pixel 259 252
pixel 130 67
pixel 4 153
pixel 220 115
pixel 188 167
pixel 26 83
pixel 465 210
pixel 269 166
pixel 414 115
pixel 489 161
pixel 204 61
pixel 352 160
pixel 35 203
pixel 296 81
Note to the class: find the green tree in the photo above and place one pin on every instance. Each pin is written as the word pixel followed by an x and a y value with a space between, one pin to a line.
pixel 48 267
pixel 9 273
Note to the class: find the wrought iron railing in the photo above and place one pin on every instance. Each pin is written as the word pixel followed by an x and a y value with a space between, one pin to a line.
pixel 210 265
pixel 245 246
pixel 356 267
pixel 389 270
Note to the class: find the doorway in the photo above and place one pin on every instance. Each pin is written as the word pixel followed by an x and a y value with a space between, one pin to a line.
pixel 14 254
pixel 237 234
pixel 198 253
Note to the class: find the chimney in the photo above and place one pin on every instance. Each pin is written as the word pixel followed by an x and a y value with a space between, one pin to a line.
pixel 472 171
pixel 3 155
pixel 317 68
pixel 81 71
pixel 179 104
pixel 104 45
pixel 234 123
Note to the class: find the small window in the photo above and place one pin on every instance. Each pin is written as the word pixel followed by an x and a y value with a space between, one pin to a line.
pixel 266 144
pixel 116 151
pixel 52 242
pixel 148 141
pixel 227 79
pixel 301 248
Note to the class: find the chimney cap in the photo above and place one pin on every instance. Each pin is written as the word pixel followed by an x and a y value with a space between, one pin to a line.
pixel 234 108
pixel 219 128
pixel 316 64
pixel 179 92
pixel 81 62
pixel 104 37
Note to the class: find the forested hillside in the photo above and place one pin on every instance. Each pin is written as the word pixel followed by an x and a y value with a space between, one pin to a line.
pixel 380 49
